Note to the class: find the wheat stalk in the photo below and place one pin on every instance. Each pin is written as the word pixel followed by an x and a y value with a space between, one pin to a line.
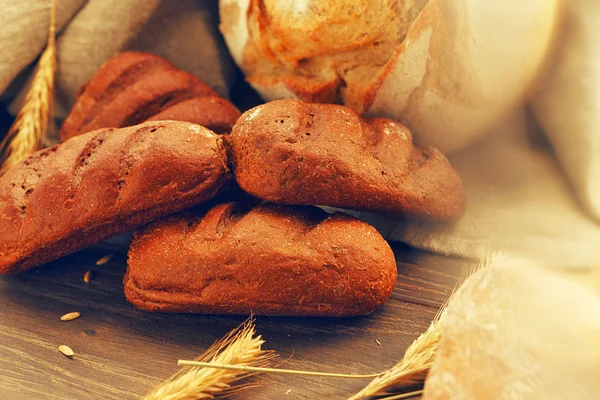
pixel 28 132
pixel 412 368
pixel 277 370
pixel 197 382
pixel 404 395
pixel 418 358
pixel 239 347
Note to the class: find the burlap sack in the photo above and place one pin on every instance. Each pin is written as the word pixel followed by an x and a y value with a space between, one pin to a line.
pixel 89 32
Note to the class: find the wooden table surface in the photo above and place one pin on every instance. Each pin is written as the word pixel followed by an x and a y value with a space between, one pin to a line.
pixel 122 352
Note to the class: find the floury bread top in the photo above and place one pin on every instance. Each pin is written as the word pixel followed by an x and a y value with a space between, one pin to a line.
pixel 447 69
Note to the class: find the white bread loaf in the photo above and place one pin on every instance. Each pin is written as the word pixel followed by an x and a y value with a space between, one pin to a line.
pixel 446 68
pixel 515 330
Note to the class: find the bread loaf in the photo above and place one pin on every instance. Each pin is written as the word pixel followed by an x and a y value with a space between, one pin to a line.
pixel 519 329
pixel 268 260
pixel 291 152
pixel 134 87
pixel 447 69
pixel 103 183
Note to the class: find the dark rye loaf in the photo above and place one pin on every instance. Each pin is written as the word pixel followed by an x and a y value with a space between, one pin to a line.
pixel 134 87
pixel 267 260
pixel 290 152
pixel 103 183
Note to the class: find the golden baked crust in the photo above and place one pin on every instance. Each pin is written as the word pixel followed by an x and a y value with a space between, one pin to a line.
pixel 267 260
pixel 329 51
pixel 290 152
pixel 133 87
pixel 103 183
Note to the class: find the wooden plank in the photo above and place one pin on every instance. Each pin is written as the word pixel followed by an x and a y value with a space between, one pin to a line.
pixel 122 352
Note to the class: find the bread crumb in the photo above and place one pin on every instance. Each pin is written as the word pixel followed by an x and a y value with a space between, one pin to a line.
pixel 70 316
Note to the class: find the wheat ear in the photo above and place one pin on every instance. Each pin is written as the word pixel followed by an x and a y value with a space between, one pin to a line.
pixel 239 347
pixel 28 132
pixel 412 368
pixel 418 358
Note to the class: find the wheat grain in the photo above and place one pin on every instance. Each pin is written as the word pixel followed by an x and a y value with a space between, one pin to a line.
pixel 66 350
pixel 105 259
pixel 88 276
pixel 240 347
pixel 412 368
pixel 28 132
pixel 70 316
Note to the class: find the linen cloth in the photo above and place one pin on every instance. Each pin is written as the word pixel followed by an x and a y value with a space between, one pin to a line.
pixel 525 197
pixel 89 32
pixel 518 202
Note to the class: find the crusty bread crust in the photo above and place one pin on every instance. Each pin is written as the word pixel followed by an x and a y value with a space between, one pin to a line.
pixel 315 50
pixel 133 87
pixel 266 260
pixel 103 183
pixel 290 152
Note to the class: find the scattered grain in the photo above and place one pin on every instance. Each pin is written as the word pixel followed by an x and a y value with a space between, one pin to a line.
pixel 66 350
pixel 70 316
pixel 105 259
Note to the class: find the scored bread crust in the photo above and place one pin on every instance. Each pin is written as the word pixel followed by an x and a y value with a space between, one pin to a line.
pixel 317 51
pixel 266 260
pixel 133 87
pixel 103 183
pixel 290 152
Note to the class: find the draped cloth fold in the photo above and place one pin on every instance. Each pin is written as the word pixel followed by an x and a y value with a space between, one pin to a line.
pixel 89 32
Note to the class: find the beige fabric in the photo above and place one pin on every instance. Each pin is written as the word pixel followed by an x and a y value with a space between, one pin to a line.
pixel 521 197
pixel 518 202
pixel 568 106
pixel 25 31
pixel 183 31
